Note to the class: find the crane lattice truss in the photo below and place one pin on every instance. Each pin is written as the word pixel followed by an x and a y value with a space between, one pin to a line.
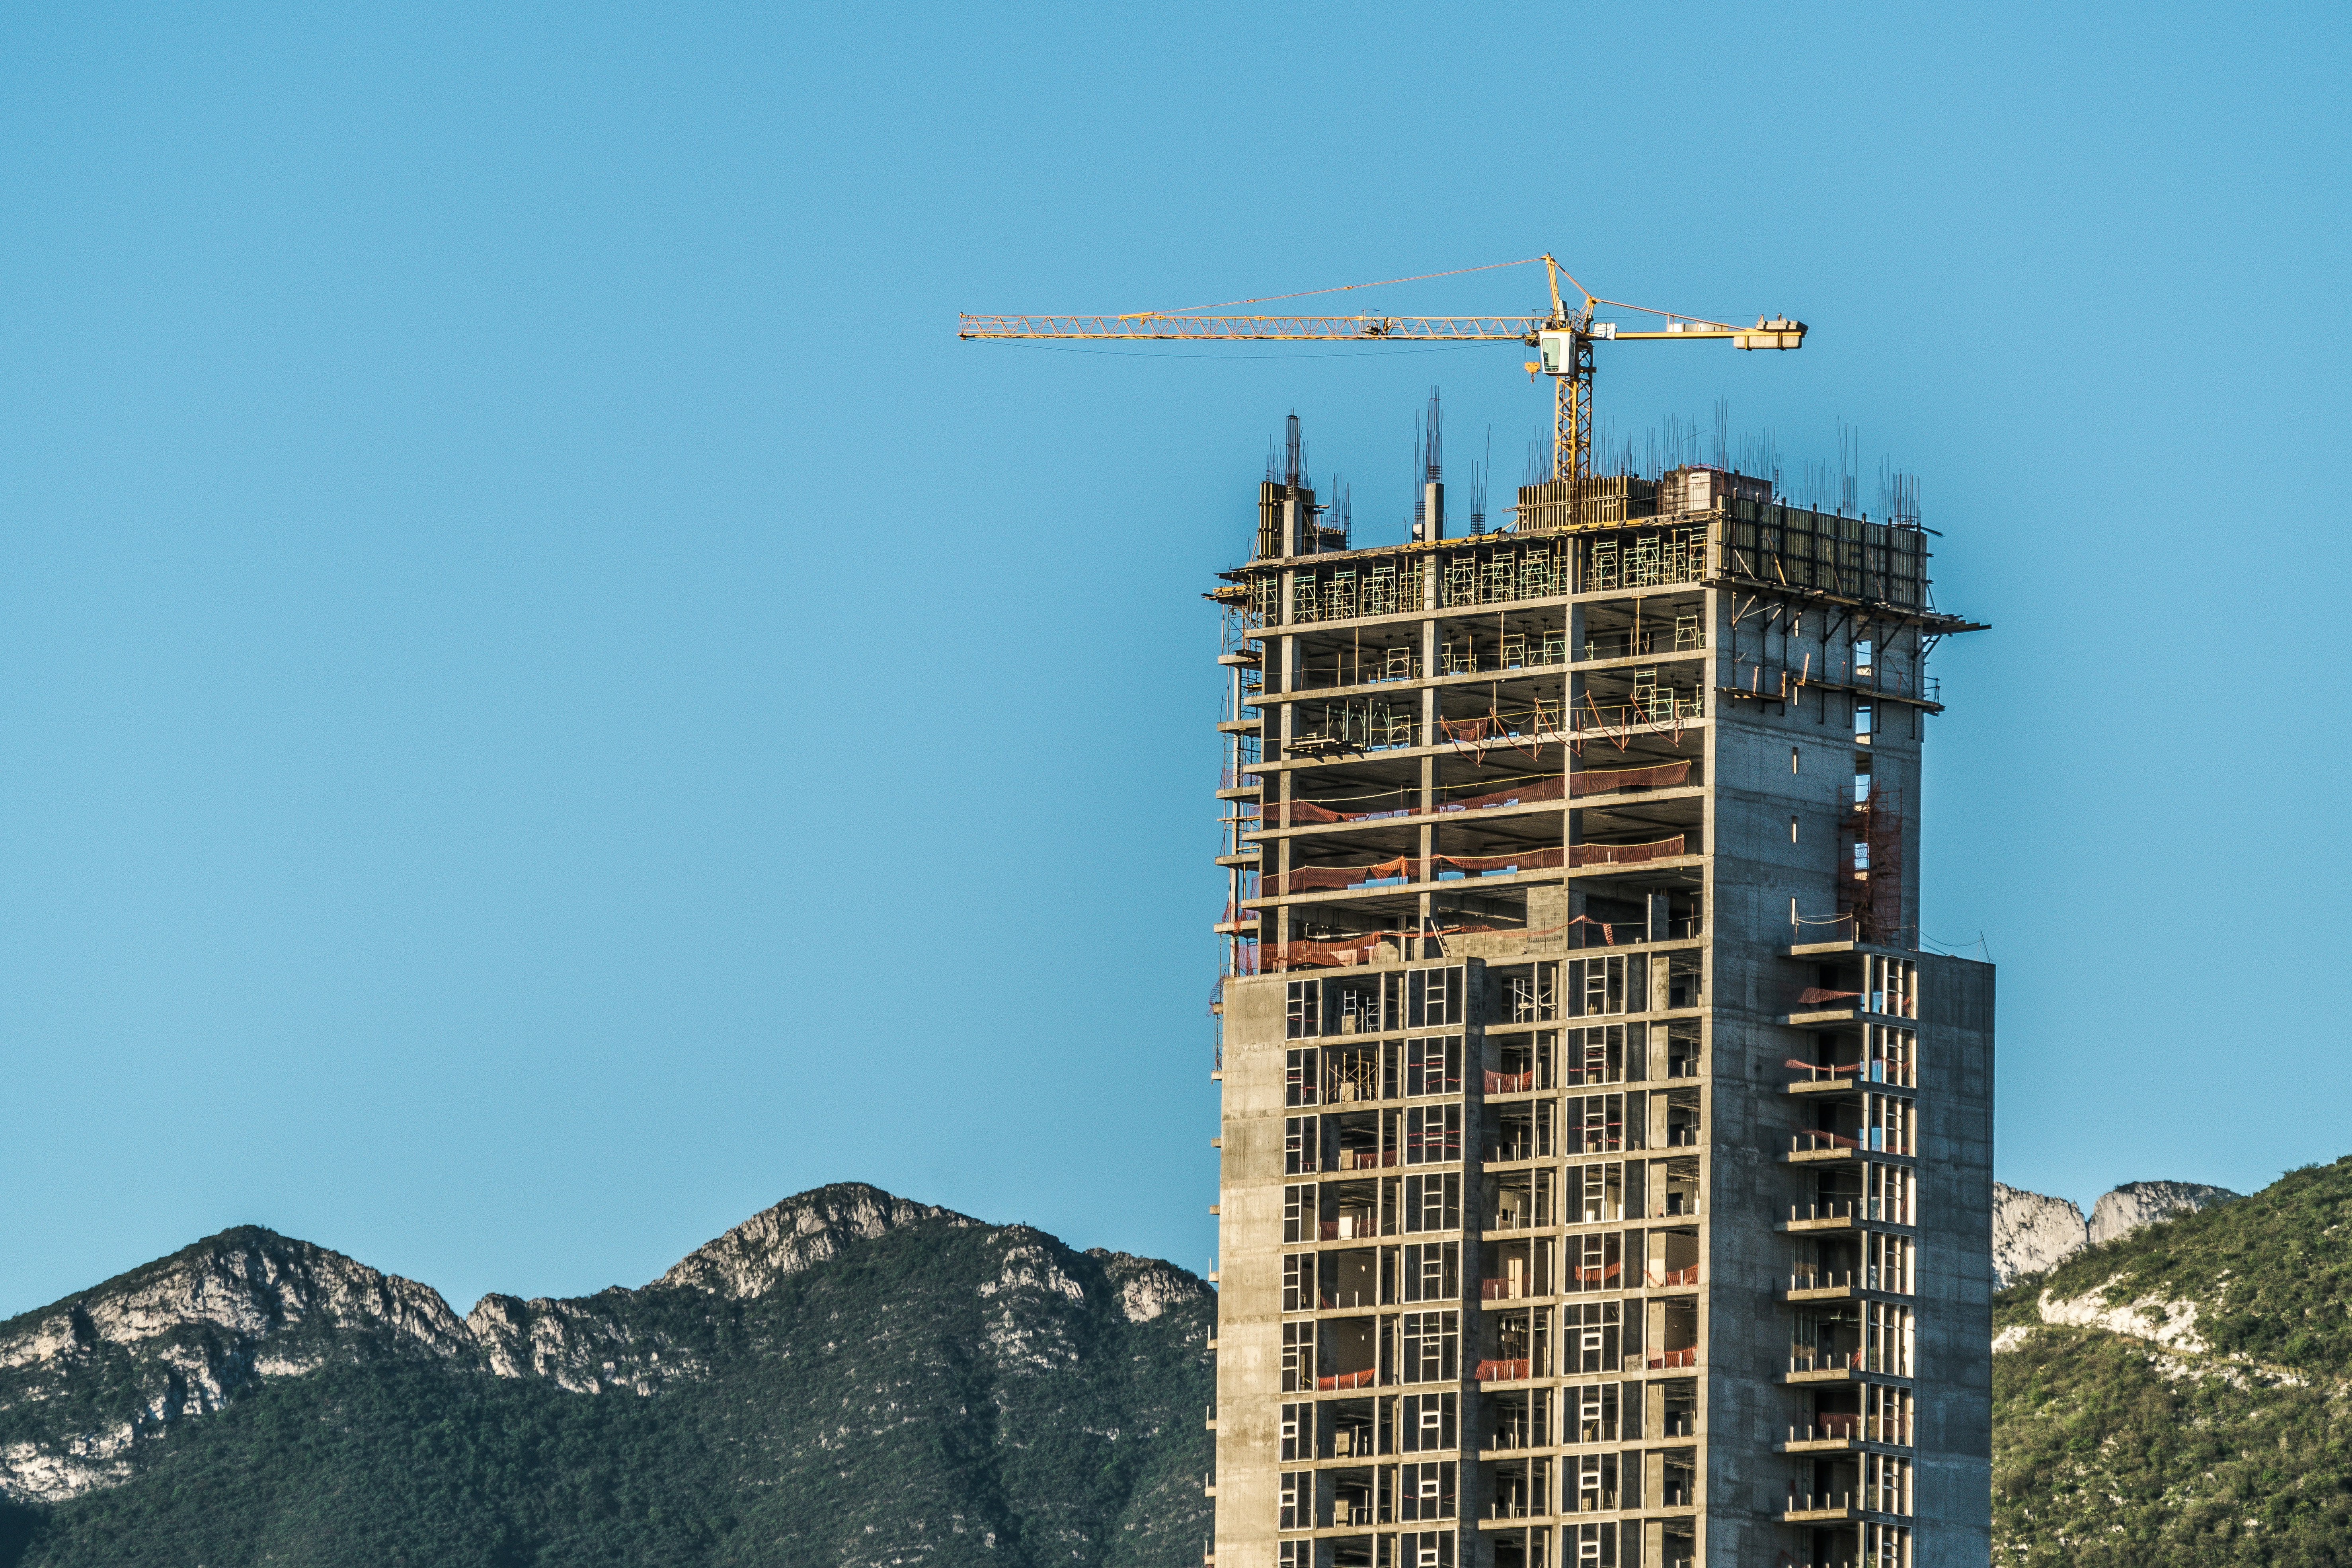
pixel 1564 338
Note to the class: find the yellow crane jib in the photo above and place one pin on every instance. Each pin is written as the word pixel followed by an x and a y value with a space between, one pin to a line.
pixel 1563 339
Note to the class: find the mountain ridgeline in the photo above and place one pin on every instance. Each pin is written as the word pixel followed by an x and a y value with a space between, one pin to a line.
pixel 2032 1232
pixel 853 1379
pixel 847 1377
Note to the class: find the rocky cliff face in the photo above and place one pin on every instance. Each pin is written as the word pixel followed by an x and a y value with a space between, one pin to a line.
pixel 2031 1232
pixel 2123 1211
pixel 181 1337
pixel 798 1234
pixel 1147 1287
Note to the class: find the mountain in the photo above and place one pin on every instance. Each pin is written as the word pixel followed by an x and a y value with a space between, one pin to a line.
pixel 2032 1232
pixel 2135 1203
pixel 2182 1395
pixel 849 1377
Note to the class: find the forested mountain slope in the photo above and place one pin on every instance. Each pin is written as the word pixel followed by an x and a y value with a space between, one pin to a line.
pixel 2183 1396
pixel 848 1378
pixel 854 1379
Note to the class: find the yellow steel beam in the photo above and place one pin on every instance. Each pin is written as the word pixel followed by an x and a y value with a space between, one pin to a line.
pixel 1319 329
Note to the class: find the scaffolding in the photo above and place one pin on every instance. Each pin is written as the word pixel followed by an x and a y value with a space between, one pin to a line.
pixel 1870 882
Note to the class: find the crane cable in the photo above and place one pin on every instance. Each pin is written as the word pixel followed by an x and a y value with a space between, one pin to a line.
pixel 1342 288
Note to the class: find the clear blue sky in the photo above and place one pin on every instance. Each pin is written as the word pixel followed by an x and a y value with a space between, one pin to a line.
pixel 546 702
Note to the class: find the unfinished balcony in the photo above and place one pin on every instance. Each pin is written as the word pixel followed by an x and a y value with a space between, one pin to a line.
pixel 1626 832
pixel 1664 626
pixel 1850 1268
pixel 1673 1261
pixel 1855 1198
pixel 1348 1211
pixel 1637 904
pixel 1347 1429
pixel 1684 1123
pixel 1849 1341
pixel 1521 1067
pixel 1517 1270
pixel 1600 1483
pixel 1518 1346
pixel 1857 987
pixel 1678 1408
pixel 1519 1201
pixel 1347 1354
pixel 1521 1488
pixel 1518 1421
pixel 1519 1130
pixel 1353 726
pixel 1851 1123
pixel 1847 1419
pixel 1844 1062
pixel 1596 1261
pixel 1675 1342
pixel 1618 703
pixel 1348 1280
pixel 1522 994
pixel 1678 1478
pixel 1821 1508
pixel 1675 1189
pixel 1603 1191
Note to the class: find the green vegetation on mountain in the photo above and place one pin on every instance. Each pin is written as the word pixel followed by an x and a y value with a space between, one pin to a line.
pixel 856 1381
pixel 947 1392
pixel 2231 1444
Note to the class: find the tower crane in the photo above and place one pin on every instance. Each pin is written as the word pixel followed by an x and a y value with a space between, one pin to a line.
pixel 1563 341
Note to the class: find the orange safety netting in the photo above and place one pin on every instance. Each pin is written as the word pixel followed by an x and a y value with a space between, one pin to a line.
pixel 1625 854
pixel 1819 1068
pixel 1527 793
pixel 1299 811
pixel 1470 731
pixel 1409 868
pixel 1675 1358
pixel 1364 1379
pixel 1530 792
pixel 1525 861
pixel 1509 1082
pixel 1608 931
pixel 1275 957
pixel 1310 879
pixel 1504 1371
pixel 1603 781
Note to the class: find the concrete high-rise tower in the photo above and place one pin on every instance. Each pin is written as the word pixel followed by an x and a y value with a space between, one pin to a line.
pixel 1606 1172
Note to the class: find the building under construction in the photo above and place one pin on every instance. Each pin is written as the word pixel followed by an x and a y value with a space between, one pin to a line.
pixel 1606 1172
